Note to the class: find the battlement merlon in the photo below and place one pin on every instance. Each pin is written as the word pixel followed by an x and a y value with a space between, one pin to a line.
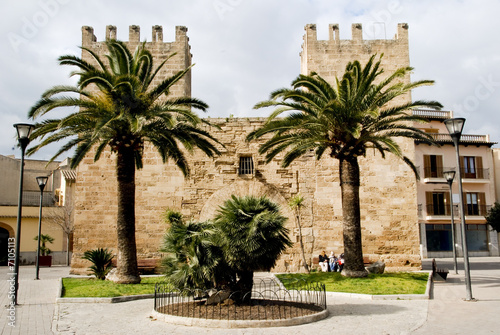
pixel 110 33
pixel 181 34
pixel 157 34
pixel 134 34
pixel 402 33
pixel 88 36
pixel 356 31
pixel 334 32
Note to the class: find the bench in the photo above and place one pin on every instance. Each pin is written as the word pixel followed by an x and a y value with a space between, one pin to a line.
pixel 315 263
pixel 438 274
pixel 146 265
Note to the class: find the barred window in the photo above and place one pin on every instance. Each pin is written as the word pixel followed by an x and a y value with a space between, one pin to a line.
pixel 246 165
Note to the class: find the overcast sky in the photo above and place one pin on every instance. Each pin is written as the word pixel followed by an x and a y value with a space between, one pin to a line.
pixel 244 49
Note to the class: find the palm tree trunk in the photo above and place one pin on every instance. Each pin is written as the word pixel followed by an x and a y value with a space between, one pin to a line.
pixel 353 250
pixel 244 286
pixel 125 225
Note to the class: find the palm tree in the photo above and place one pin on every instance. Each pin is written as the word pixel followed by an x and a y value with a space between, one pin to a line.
pixel 252 235
pixel 296 203
pixel 44 239
pixel 121 107
pixel 358 113
pixel 192 260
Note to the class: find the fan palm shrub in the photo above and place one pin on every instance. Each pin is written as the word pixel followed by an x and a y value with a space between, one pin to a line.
pixel 193 260
pixel 252 235
pixel 101 262
pixel 247 235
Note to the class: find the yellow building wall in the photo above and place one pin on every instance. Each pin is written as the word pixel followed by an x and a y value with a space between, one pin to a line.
pixel 29 228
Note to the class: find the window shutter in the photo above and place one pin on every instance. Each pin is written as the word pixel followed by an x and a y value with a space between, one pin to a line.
pixel 427 166
pixel 464 196
pixel 428 203
pixel 447 203
pixel 479 167
pixel 439 166
pixel 482 203
pixel 462 170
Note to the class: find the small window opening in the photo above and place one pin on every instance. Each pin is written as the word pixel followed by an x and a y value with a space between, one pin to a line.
pixel 246 165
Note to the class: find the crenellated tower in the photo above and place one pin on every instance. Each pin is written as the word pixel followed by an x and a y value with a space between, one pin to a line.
pixel 96 190
pixel 329 58
pixel 160 50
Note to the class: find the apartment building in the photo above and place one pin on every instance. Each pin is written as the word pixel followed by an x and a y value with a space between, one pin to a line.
pixel 57 201
pixel 435 203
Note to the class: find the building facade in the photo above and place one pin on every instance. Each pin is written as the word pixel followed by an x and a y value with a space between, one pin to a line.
pixel 434 199
pixel 388 188
pixel 60 182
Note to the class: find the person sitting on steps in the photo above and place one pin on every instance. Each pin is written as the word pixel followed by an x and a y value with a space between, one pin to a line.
pixel 323 261
pixel 332 263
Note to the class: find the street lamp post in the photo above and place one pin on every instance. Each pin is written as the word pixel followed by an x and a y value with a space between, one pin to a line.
pixel 449 176
pixel 455 127
pixel 23 137
pixel 42 181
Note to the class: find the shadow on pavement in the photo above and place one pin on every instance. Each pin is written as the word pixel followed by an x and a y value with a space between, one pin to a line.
pixel 363 310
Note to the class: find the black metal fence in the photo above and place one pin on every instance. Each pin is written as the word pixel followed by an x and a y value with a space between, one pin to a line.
pixel 269 299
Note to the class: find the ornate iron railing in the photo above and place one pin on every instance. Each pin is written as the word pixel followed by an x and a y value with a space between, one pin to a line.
pixel 470 210
pixel 268 300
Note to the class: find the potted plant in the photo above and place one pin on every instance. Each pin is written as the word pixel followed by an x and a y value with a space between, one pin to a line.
pixel 45 259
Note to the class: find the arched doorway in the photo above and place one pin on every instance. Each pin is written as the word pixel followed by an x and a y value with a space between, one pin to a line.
pixel 242 188
pixel 4 238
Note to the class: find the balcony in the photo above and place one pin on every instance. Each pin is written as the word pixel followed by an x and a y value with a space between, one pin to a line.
pixel 442 212
pixel 435 175
pixel 32 199
pixel 464 139
pixel 432 114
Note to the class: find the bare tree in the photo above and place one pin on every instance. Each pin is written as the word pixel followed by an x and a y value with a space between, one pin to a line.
pixel 63 217
pixel 296 203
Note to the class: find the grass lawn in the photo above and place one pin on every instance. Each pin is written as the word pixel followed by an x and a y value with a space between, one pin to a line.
pixel 94 288
pixel 387 283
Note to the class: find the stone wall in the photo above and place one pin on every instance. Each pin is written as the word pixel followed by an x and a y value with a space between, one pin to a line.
pixel 388 206
pixel 388 189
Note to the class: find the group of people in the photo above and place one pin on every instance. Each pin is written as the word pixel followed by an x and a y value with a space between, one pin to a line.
pixel 331 263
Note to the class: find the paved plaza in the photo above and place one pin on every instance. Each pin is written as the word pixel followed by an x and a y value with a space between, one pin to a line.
pixel 445 313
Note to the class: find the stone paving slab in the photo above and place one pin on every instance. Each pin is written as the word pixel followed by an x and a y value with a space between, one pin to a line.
pixel 36 300
pixel 347 316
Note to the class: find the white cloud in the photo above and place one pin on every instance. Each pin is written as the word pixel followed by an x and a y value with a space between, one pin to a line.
pixel 245 49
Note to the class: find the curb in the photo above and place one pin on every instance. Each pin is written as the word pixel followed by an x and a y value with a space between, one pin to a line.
pixel 227 324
